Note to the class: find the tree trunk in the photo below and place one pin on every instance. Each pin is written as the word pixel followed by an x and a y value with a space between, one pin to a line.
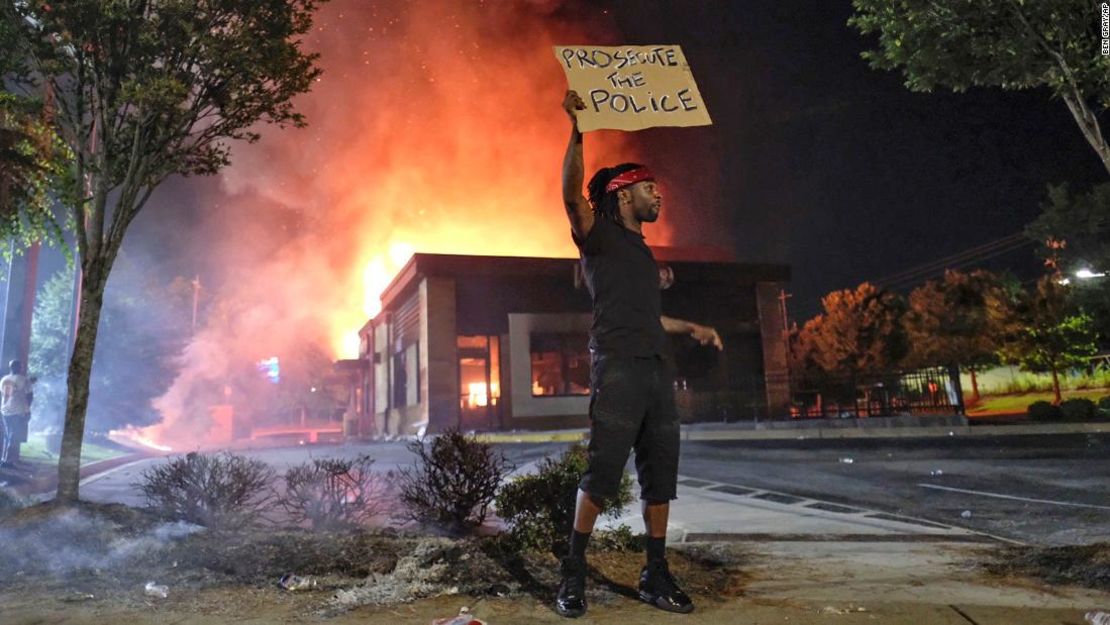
pixel 77 383
pixel 1056 387
pixel 974 387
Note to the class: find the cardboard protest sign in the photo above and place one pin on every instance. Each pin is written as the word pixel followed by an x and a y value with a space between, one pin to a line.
pixel 633 87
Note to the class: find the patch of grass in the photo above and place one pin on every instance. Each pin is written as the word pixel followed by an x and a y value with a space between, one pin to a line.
pixel 34 450
pixel 1019 403
pixel 1011 380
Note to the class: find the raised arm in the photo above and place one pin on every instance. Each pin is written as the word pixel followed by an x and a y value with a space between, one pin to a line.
pixel 702 334
pixel 578 209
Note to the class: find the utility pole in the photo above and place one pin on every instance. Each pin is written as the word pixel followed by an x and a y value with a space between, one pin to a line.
pixel 783 296
pixel 196 300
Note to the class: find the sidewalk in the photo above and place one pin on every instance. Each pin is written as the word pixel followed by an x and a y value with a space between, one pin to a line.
pixel 709 511
pixel 775 430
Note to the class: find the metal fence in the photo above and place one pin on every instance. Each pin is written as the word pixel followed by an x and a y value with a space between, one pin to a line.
pixel 895 393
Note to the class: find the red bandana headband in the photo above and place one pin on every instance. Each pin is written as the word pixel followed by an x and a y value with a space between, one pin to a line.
pixel 628 178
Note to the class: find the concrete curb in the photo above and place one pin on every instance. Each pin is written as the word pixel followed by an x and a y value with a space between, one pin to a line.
pixel 44 487
pixel 836 433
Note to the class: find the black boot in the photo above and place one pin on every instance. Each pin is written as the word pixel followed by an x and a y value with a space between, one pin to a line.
pixel 659 588
pixel 571 600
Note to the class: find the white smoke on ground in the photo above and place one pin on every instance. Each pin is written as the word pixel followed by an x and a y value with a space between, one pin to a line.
pixel 73 541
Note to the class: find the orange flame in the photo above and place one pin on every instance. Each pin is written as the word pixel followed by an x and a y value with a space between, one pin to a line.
pixel 436 133
pixel 436 128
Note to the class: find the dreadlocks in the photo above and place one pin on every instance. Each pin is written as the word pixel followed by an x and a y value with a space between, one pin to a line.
pixel 605 204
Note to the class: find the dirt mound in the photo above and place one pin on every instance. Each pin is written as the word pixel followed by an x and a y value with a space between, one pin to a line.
pixel 111 551
pixel 126 518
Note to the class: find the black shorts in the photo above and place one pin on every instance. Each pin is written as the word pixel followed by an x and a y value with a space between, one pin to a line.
pixel 632 407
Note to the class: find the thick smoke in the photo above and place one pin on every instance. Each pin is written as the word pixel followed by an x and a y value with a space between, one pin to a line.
pixel 436 127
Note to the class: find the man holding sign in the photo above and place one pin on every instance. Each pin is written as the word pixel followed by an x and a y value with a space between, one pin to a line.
pixel 632 389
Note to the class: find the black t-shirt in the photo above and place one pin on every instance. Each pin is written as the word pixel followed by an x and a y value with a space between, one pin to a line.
pixel 623 280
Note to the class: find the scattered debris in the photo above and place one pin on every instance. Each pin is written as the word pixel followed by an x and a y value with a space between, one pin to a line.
pixel 463 618
pixel 156 590
pixel 966 514
pixel 497 590
pixel 835 610
pixel 847 460
pixel 1098 618
pixel 290 581
pixel 936 472
pixel 78 597
pixel 433 567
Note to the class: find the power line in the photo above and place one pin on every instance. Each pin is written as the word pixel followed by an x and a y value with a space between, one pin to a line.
pixel 941 262
pixel 970 261
pixel 976 254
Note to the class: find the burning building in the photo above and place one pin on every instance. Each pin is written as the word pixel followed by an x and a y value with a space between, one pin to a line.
pixel 500 343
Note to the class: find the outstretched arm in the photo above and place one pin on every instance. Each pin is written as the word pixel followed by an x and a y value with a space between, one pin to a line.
pixel 702 334
pixel 578 209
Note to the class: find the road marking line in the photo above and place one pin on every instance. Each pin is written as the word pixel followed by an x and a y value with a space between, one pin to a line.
pixel 806 502
pixel 1014 497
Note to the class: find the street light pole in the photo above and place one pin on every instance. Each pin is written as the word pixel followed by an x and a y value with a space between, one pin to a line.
pixel 196 300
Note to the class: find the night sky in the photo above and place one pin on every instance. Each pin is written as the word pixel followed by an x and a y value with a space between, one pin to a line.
pixel 814 159
pixel 839 170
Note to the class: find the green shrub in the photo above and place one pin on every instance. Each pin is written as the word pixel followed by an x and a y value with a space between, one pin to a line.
pixel 1078 409
pixel 539 507
pixel 453 482
pixel 333 493
pixel 221 491
pixel 1044 411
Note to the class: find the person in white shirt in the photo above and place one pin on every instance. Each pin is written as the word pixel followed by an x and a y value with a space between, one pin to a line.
pixel 15 408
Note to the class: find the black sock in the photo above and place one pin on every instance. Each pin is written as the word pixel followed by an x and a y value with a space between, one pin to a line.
pixel 656 548
pixel 578 541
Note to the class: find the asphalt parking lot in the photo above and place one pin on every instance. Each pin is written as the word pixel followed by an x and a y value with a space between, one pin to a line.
pixel 1048 490
pixel 1051 490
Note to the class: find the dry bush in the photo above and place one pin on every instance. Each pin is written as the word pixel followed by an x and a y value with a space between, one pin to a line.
pixel 452 483
pixel 333 493
pixel 221 491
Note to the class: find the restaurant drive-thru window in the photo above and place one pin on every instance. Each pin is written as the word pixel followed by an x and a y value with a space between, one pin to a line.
pixel 560 364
